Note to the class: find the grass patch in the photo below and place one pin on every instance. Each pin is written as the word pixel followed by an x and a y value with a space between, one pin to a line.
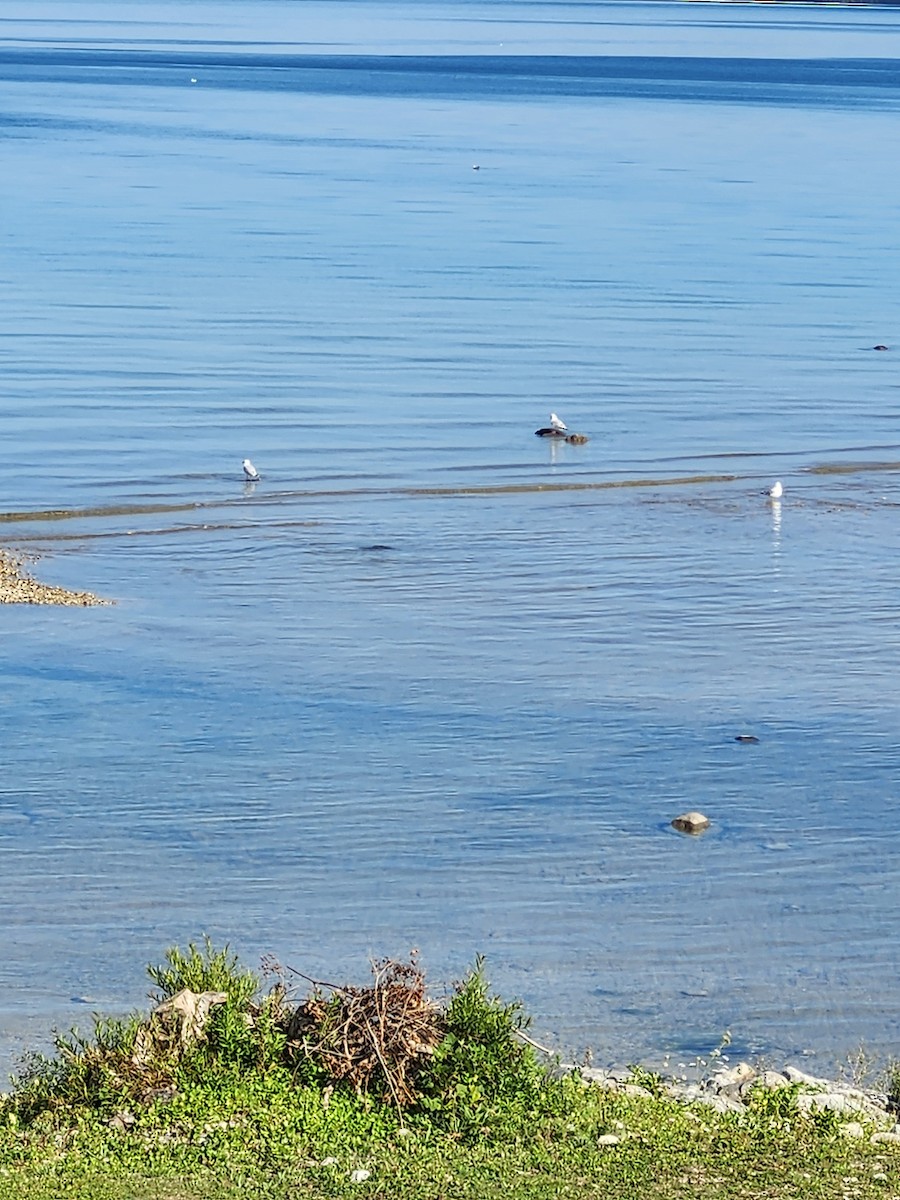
pixel 272 1099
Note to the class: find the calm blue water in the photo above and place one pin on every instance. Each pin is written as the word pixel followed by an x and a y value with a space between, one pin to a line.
pixel 435 682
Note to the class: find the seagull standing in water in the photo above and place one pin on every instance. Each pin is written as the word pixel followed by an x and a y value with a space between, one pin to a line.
pixel 776 491
pixel 250 472
pixel 556 423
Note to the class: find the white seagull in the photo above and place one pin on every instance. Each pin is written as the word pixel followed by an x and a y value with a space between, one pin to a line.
pixel 250 471
pixel 776 491
pixel 556 423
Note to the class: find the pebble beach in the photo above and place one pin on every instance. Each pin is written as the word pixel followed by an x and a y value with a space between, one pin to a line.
pixel 17 587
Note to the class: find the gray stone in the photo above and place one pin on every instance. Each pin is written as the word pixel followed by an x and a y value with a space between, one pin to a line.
pixel 605 1083
pixel 795 1075
pixel 635 1089
pixel 772 1080
pixel 596 1075
pixel 838 1102
pixel 739 1073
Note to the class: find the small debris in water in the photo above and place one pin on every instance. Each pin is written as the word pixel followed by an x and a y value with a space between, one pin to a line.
pixel 749 739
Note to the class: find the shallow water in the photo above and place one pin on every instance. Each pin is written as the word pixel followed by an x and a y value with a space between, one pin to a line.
pixel 433 681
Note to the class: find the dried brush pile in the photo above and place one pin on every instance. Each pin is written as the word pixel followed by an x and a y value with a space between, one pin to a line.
pixel 377 1039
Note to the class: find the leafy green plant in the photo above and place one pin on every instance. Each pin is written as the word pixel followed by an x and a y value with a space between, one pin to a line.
pixel 650 1081
pixel 482 1075
pixel 239 1033
pixel 205 970
pixel 85 1071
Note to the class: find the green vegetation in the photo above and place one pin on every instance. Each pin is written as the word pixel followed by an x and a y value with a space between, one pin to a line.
pixel 227 1091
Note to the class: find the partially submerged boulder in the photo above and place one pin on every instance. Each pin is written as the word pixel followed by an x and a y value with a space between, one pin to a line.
pixel 691 822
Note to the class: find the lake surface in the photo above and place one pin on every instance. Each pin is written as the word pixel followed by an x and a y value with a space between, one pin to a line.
pixel 434 681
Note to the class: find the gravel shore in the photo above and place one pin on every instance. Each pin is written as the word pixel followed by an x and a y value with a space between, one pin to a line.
pixel 860 1111
pixel 17 587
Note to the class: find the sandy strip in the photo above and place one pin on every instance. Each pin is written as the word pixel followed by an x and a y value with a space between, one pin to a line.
pixel 16 587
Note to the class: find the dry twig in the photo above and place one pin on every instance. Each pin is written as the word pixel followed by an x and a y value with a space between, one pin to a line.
pixel 374 1038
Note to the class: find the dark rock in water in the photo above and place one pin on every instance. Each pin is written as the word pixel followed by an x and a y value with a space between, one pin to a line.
pixel 577 439
pixel 880 347
pixel 377 546
pixel 549 431
pixel 748 739
pixel 691 822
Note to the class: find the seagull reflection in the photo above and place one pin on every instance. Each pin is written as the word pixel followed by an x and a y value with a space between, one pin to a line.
pixel 776 537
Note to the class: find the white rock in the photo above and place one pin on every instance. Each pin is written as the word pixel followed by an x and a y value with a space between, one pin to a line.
pixel 608 1139
pixel 852 1129
pixel 328 1162
pixel 891 1138
pixel 691 822
pixel 360 1176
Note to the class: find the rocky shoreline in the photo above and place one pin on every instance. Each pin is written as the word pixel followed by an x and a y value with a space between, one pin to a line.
pixel 861 1112
pixel 17 587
